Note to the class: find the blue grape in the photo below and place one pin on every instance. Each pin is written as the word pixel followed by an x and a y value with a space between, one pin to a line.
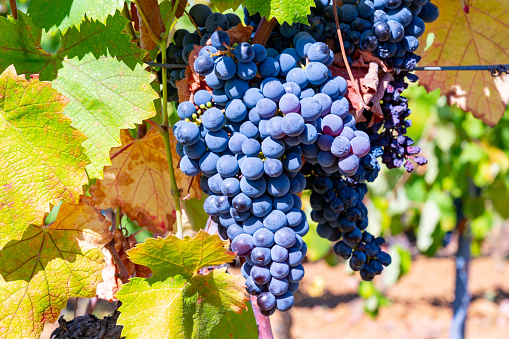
pixel 263 238
pixel 225 68
pixel 266 108
pixel 252 168
pixel 273 148
pixel 213 81
pixel 402 14
pixel 285 302
pixel 268 68
pixel 261 275
pixel 285 237
pixel 253 188
pixel 252 224
pixel 244 52
pixel 296 274
pixel 287 60
pixel 219 96
pixel 190 167
pixel 302 229
pixel 246 70
pixel 292 124
pixel 310 108
pixel 202 97
pixel 236 110
pixel 292 162
pixel 348 13
pixel 214 21
pixel 227 166
pixel 284 203
pixel 249 129
pixel 261 206
pixel 279 269
pixel 252 287
pixel 295 257
pixel 266 301
pixel 260 53
pixel 242 244
pixel 260 256
pixel 217 141
pixel 230 187
pixel 275 220
pixel 278 186
pixel 251 147
pixel 319 52
pixel 213 119
pixel 274 127
pixel 317 73
pixel 303 44
pixel 288 31
pixel 241 202
pixel 273 90
pixel 273 167
pixel 397 31
pixel 294 217
pixel 203 65
pixel 252 96
pixel 235 143
pixel 235 88
pixel 186 110
pixel 278 286
pixel 278 253
pixel 187 134
pixel 199 13
pixel 429 12
pixel 340 147
pixel 360 146
pixel 196 150
pixel 289 103
pixel 292 88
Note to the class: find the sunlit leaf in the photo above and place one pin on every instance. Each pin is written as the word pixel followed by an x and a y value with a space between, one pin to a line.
pixel 178 301
pixel 462 39
pixel 49 265
pixel 41 157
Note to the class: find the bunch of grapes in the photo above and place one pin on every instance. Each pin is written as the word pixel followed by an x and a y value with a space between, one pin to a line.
pixel 248 136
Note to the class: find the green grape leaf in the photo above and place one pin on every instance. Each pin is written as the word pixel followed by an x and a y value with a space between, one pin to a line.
pixel 289 11
pixel 65 14
pixel 106 96
pixel 50 264
pixel 193 215
pixel 20 42
pixel 179 301
pixel 235 325
pixel 462 39
pixel 41 157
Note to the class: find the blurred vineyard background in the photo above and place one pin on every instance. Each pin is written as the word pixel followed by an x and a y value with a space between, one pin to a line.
pixel 464 189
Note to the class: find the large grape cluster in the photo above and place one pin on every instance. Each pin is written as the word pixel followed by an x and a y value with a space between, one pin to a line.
pixel 248 138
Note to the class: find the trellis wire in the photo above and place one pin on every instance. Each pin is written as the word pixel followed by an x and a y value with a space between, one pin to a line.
pixel 495 70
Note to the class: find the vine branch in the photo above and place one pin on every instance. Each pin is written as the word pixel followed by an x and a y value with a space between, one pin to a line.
pixel 263 322
pixel 263 31
pixel 14 9
pixel 123 273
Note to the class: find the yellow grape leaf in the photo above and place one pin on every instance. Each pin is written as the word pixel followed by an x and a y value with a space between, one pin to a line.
pixel 477 38
pixel 50 264
pixel 41 158
pixel 178 301
pixel 138 181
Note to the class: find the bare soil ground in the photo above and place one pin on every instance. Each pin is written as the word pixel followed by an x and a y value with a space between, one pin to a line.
pixel 328 307
pixel 420 303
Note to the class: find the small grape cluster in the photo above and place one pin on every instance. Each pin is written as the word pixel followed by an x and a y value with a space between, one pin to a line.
pixel 365 255
pixel 398 148
pixel 184 41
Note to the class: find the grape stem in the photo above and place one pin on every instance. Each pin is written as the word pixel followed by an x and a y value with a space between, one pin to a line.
pixel 343 53
pixel 263 31
pixel 14 9
pixel 263 322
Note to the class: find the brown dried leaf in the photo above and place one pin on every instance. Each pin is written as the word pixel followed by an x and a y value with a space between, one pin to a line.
pixel 111 282
pixel 383 82
pixel 138 181
pixel 239 33
pixel 478 38
pixel 150 9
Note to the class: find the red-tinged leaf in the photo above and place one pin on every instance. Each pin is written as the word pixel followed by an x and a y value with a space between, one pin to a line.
pixel 139 182
pixel 477 36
